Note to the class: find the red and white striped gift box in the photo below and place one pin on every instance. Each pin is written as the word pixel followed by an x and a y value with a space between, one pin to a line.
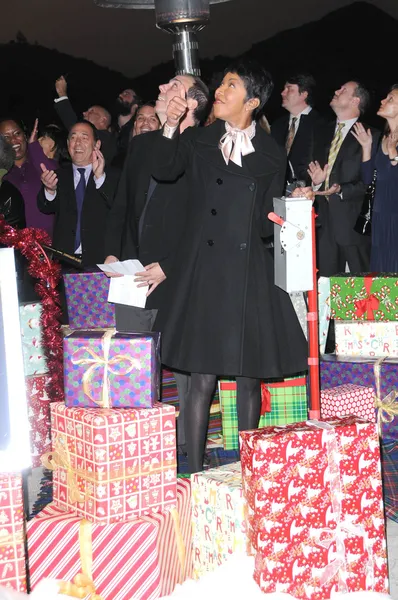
pixel 114 464
pixel 12 548
pixel 348 399
pixel 125 557
pixel 175 555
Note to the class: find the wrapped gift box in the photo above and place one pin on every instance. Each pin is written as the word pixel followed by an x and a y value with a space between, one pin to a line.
pixel 112 465
pixel 323 311
pixel 218 520
pixel 288 403
pixel 315 507
pixel 300 309
pixel 348 399
pixel 39 417
pixel 174 540
pixel 87 301
pixel 366 297
pixel 124 555
pixel 108 369
pixel 12 548
pixel 366 338
pixel 360 371
pixel 31 335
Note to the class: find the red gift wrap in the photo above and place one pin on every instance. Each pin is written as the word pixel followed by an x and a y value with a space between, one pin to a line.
pixel 113 465
pixel 39 417
pixel 120 559
pixel 12 549
pixel 174 541
pixel 348 399
pixel 315 507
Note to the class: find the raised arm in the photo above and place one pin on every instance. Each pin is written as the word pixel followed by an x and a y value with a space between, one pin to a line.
pixel 63 107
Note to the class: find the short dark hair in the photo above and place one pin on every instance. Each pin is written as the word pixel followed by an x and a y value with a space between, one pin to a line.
pixel 7 154
pixel 199 92
pixel 58 136
pixel 257 81
pixel 17 121
pixel 364 97
pixel 84 122
pixel 305 83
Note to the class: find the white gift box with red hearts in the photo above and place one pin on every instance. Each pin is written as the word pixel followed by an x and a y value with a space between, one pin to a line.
pixel 348 399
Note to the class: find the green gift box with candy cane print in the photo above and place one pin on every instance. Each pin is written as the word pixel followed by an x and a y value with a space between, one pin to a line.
pixel 364 297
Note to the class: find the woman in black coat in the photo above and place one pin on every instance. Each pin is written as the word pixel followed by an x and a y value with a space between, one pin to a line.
pixel 226 316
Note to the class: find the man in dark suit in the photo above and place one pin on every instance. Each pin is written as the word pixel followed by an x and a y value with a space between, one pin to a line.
pixel 296 129
pixel 148 218
pixel 96 115
pixel 81 196
pixel 336 175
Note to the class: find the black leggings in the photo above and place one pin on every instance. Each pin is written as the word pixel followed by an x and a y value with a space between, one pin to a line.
pixel 198 408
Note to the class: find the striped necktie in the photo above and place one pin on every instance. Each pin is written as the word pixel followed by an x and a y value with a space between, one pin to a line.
pixel 290 135
pixel 334 150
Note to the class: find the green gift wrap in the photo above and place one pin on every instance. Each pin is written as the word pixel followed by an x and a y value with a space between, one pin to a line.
pixel 288 404
pixel 364 297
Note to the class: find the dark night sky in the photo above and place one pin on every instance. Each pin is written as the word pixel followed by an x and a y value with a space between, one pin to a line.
pixel 127 40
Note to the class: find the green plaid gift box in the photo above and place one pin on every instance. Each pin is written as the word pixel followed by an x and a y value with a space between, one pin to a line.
pixel 288 405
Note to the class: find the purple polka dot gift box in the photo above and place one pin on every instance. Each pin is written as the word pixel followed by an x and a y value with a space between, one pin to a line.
pixel 87 301
pixel 107 369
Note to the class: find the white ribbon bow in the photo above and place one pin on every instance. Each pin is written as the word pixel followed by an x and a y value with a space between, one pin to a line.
pixel 236 143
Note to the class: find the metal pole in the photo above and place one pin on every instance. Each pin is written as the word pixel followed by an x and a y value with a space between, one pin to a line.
pixel 313 334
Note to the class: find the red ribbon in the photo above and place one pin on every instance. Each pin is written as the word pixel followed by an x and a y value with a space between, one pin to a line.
pixel 367 305
pixel 265 399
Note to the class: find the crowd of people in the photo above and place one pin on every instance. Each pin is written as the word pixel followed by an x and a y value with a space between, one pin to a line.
pixel 185 184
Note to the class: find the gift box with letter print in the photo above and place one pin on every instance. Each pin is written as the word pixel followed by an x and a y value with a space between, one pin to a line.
pixel 118 560
pixel 366 338
pixel 87 301
pixel 107 369
pixel 364 297
pixel 35 362
pixel 218 519
pixel 112 465
pixel 39 416
pixel 12 544
pixel 315 512
pixel 283 402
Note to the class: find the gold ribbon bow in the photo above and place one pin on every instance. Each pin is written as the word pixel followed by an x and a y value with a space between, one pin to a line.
pixel 388 406
pixel 96 362
pixel 82 584
pixel 60 457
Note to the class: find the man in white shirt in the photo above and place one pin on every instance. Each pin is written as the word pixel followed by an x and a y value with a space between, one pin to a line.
pixel 337 175
pixel 295 130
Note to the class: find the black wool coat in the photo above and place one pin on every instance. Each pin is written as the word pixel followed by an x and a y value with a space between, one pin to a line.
pixel 227 317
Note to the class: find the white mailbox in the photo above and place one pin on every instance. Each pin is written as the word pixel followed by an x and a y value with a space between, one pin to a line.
pixel 293 244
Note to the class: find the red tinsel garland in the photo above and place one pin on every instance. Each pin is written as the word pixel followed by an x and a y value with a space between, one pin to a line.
pixel 29 242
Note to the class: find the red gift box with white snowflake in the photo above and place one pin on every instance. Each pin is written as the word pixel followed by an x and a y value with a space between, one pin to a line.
pixel 113 464
pixel 315 507
pixel 12 548
pixel 39 417
pixel 348 399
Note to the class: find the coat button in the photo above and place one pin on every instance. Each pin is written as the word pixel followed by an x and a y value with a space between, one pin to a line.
pixel 210 242
pixel 242 247
pixel 219 181
pixel 213 211
pixel 252 187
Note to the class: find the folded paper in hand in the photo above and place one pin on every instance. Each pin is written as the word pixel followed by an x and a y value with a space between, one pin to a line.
pixel 124 290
